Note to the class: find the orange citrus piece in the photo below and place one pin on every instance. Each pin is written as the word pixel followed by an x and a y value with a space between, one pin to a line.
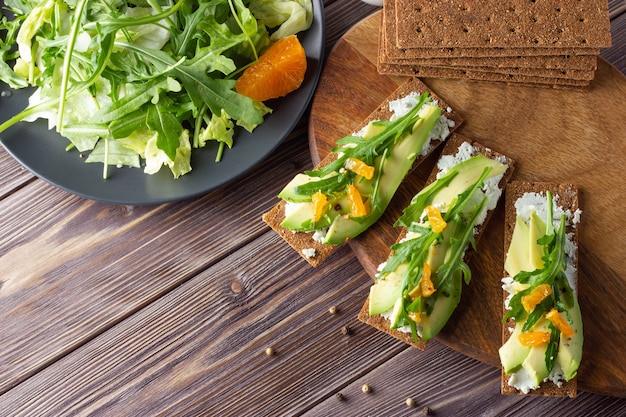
pixel 320 203
pixel 537 295
pixel 428 288
pixel 357 207
pixel 278 71
pixel 360 168
pixel 437 223
pixel 559 322
pixel 534 338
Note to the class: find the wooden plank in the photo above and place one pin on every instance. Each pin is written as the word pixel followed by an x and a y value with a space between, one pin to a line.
pixel 450 384
pixel 59 253
pixel 201 347
pixel 12 174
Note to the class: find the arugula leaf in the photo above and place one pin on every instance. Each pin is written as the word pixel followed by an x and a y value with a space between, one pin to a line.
pixel 167 126
pixel 552 349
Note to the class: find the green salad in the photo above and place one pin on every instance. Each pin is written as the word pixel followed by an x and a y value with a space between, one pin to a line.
pixel 142 82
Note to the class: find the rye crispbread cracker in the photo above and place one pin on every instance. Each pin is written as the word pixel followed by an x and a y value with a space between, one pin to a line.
pixel 514 23
pixel 301 240
pixel 567 198
pixel 540 62
pixel 389 30
pixel 551 67
pixel 536 73
pixel 450 148
pixel 513 70
pixel 471 74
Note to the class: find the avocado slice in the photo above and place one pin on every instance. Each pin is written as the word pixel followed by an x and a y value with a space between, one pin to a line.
pixel 519 250
pixel 465 174
pixel 385 292
pixel 512 353
pixel 536 229
pixel 443 305
pixel 535 362
pixel 571 348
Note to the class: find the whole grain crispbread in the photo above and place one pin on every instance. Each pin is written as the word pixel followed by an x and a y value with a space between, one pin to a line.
pixel 481 75
pixel 450 148
pixel 529 68
pixel 514 23
pixel 389 35
pixel 567 198
pixel 301 241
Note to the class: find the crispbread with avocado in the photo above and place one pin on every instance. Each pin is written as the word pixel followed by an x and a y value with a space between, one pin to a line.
pixel 418 287
pixel 520 196
pixel 303 242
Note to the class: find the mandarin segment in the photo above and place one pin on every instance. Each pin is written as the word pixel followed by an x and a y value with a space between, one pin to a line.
pixel 278 71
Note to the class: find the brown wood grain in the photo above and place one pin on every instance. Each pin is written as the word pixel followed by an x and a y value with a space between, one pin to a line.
pixel 70 251
pixel 559 136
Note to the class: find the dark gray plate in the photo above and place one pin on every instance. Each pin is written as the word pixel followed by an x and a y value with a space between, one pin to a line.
pixel 42 151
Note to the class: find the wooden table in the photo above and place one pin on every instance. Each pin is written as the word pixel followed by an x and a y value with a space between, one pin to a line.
pixel 169 310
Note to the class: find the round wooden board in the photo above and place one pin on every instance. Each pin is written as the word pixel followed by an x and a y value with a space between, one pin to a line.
pixel 553 135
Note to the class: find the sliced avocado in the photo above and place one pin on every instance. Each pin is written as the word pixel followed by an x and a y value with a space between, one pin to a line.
pixel 467 173
pixel 385 292
pixel 518 253
pixel 288 193
pixel 524 253
pixel 535 362
pixel 396 312
pixel 372 129
pixel 571 348
pixel 537 229
pixel 512 353
pixel 443 305
pixel 298 216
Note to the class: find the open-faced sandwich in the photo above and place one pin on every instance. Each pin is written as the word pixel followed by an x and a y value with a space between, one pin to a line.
pixel 351 188
pixel 419 286
pixel 542 326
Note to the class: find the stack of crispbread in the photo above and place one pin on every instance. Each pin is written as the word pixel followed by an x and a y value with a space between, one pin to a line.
pixel 542 43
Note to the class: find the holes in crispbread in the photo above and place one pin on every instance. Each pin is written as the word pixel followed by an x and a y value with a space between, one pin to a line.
pixel 466 23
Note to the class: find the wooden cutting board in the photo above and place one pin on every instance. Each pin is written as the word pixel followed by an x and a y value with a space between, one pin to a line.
pixel 559 136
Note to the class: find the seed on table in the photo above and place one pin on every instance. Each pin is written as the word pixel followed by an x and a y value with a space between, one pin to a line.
pixel 366 388
pixel 346 330
pixel 427 411
pixel 410 402
pixel 339 396
pixel 333 310
pixel 269 351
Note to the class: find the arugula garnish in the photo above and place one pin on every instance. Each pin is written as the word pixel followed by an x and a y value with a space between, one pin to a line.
pixel 364 149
